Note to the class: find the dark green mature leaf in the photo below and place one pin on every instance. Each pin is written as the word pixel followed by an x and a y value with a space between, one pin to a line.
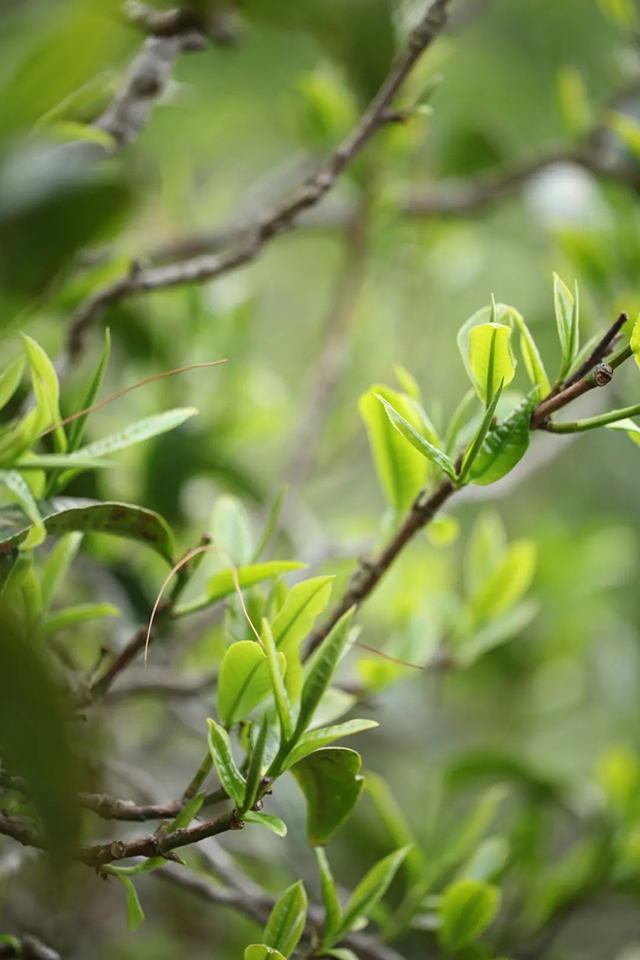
pixel 467 909
pixel 330 781
pixel 220 750
pixel 35 735
pixel 421 444
pixel 321 669
pixel 65 514
pixel 287 919
pixel 371 889
pixel 503 447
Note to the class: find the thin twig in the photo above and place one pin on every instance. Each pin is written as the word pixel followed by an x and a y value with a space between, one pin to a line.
pixel 284 216
pixel 599 352
pixel 425 507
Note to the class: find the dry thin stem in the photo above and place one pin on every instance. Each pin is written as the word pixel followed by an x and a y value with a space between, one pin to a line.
pixel 284 216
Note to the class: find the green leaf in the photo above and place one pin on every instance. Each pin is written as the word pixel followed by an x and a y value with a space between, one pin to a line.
pixel 271 523
pixel 10 380
pixel 371 889
pixel 504 447
pixel 567 318
pixel 488 861
pixel 136 432
pixel 46 389
pixel 418 442
pixel 320 670
pixel 54 461
pixel 316 739
pixel 490 358
pixel 21 490
pixel 260 951
pixel 189 812
pixel 275 824
pixel 35 731
pixel 304 602
pixel 507 583
pixel 243 682
pixel 256 763
pixel 627 426
pixel 330 782
pixel 531 356
pixel 485 549
pixel 66 514
pixel 474 447
pixel 135 914
pixel 276 662
pixel 395 824
pixel 76 427
pixel 230 529
pixel 573 102
pixel 401 470
pixel 332 908
pixel 286 922
pixel 467 834
pixel 82 613
pixel 466 910
pixel 634 342
pixel 496 632
pixel 220 750
pixel 222 584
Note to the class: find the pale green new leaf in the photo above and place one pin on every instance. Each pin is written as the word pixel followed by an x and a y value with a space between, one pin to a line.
pixel 628 426
pixel 260 951
pixel 223 585
pixel 275 824
pixel 46 389
pixel 277 664
pixel 21 491
pixel 220 749
pixel 503 447
pixel 76 427
pixel 332 908
pixel 56 566
pixel 473 449
pixel 287 919
pixel 135 914
pixel 531 356
pixel 466 910
pixel 136 432
pixel 567 318
pixel 393 819
pixel 325 735
pixel 321 669
pixel 508 582
pixel 371 889
pixel 487 862
pixel 634 342
pixel 494 633
pixel 420 443
pixel 230 529
pixel 243 681
pixel 81 613
pixel 10 380
pixel 256 763
pixel 401 470
pixel 304 602
pixel 490 358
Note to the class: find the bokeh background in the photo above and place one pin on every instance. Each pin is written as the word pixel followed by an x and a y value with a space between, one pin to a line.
pixel 360 286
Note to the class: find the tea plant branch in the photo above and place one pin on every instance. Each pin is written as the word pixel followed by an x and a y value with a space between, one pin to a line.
pixel 365 946
pixel 427 504
pixel 284 216
pixel 601 350
pixel 29 948
pixel 113 808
